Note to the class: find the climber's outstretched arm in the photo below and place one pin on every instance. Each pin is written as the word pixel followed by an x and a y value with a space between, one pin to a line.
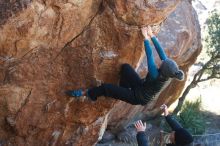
pixel 157 44
pixel 159 49
pixel 152 68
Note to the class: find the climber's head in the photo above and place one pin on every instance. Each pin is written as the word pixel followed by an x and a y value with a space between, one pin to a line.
pixel 169 68
pixel 182 137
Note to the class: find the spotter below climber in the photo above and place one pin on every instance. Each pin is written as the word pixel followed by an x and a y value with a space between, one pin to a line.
pixel 178 137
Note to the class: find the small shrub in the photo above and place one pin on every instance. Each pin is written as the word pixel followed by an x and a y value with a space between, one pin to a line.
pixel 191 117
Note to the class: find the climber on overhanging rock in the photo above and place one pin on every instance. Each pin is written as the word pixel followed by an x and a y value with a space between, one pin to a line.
pixel 132 89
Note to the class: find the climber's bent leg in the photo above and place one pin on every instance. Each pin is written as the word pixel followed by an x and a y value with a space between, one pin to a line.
pixel 159 48
pixel 152 68
pixel 128 77
pixel 115 92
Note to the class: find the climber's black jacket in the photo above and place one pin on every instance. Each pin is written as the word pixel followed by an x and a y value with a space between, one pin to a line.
pixel 150 88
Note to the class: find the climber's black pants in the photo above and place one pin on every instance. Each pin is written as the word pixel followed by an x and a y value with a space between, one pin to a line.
pixel 129 80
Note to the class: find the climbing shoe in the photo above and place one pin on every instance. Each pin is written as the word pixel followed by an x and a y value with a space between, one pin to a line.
pixel 74 93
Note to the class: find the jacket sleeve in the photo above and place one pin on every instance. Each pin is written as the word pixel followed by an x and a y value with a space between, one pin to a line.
pixel 159 48
pixel 141 139
pixel 152 67
pixel 173 123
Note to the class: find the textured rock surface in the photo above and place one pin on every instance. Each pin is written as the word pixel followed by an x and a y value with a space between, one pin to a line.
pixel 49 46
pixel 139 12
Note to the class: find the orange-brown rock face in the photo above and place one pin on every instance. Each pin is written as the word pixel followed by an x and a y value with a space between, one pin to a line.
pixel 140 12
pixel 47 47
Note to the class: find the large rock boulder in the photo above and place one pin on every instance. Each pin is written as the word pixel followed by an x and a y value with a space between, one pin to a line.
pixel 180 36
pixel 47 47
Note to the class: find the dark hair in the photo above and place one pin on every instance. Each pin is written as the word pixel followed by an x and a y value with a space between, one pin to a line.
pixel 183 137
